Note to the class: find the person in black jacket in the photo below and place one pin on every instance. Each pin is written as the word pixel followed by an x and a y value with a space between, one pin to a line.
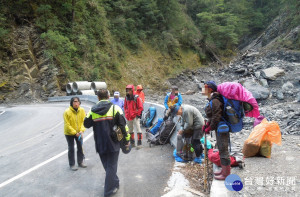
pixel 214 114
pixel 102 117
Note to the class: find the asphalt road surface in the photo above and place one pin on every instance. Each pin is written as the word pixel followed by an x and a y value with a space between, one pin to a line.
pixel 33 158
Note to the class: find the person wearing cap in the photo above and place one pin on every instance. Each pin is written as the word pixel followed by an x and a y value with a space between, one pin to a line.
pixel 117 100
pixel 172 100
pixel 133 107
pixel 73 128
pixel 102 117
pixel 140 92
pixel 191 130
pixel 214 114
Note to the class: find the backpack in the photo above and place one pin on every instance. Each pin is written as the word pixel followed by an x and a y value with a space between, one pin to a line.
pixel 144 118
pixel 135 97
pixel 152 114
pixel 233 114
pixel 148 117
pixel 160 133
pixel 165 130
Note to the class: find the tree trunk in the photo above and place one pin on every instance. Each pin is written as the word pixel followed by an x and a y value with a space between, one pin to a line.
pixel 73 10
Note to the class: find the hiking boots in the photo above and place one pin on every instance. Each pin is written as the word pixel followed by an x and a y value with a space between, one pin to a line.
pixel 187 157
pixel 218 172
pixel 132 141
pixel 115 190
pixel 225 172
pixel 140 137
pixel 82 165
pixel 139 142
pixel 73 168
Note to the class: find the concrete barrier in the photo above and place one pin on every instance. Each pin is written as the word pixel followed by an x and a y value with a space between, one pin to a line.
pixel 90 98
pixel 81 85
pixel 86 92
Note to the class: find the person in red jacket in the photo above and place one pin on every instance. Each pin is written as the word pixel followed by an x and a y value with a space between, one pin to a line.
pixel 140 92
pixel 133 107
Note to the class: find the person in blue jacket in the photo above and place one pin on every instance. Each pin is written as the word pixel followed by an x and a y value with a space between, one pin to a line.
pixel 172 100
pixel 117 100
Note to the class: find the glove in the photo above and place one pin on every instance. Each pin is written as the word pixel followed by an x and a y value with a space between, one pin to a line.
pixel 192 149
pixel 207 130
pixel 139 116
pixel 206 125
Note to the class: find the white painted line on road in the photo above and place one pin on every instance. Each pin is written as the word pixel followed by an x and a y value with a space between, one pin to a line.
pixel 39 165
pixel 2 112
pixel 32 137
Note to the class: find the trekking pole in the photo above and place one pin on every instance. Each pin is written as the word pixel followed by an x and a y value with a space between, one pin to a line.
pixel 205 159
pixel 170 133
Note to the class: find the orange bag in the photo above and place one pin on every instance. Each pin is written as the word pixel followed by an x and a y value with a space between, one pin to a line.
pixel 267 132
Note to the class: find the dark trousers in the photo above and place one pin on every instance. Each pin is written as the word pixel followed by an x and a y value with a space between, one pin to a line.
pixel 195 142
pixel 71 155
pixel 110 165
pixel 222 143
pixel 198 147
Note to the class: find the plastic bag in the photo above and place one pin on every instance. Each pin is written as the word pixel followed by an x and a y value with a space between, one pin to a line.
pixel 208 143
pixel 265 148
pixel 267 132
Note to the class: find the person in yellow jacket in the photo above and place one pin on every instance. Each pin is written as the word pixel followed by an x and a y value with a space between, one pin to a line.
pixel 73 130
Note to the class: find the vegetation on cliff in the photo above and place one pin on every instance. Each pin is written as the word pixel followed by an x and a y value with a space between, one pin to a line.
pixel 107 39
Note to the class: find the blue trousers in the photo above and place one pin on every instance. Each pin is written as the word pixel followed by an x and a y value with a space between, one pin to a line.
pixel 110 165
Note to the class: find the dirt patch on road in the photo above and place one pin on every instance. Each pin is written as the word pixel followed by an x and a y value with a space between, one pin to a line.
pixel 194 173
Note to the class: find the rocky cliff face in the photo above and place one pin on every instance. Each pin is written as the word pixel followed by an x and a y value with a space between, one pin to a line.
pixel 28 75
pixel 277 35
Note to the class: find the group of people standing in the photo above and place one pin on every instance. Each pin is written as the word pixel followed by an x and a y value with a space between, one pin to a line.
pixel 107 113
pixel 193 125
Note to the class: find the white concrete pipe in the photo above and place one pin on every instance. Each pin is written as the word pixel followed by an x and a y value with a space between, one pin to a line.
pixel 85 92
pixel 69 88
pixel 81 85
pixel 97 85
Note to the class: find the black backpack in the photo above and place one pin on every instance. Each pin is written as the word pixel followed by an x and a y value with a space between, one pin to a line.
pixel 165 131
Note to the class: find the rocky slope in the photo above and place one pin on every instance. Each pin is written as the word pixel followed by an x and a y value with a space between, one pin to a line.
pixel 28 75
pixel 272 77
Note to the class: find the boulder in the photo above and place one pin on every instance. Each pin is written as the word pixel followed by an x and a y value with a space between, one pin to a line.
pixel 240 70
pixel 189 92
pixel 288 87
pixel 298 97
pixel 264 83
pixel 258 91
pixel 298 79
pixel 279 95
pixel 251 54
pixel 272 73
pixel 257 74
